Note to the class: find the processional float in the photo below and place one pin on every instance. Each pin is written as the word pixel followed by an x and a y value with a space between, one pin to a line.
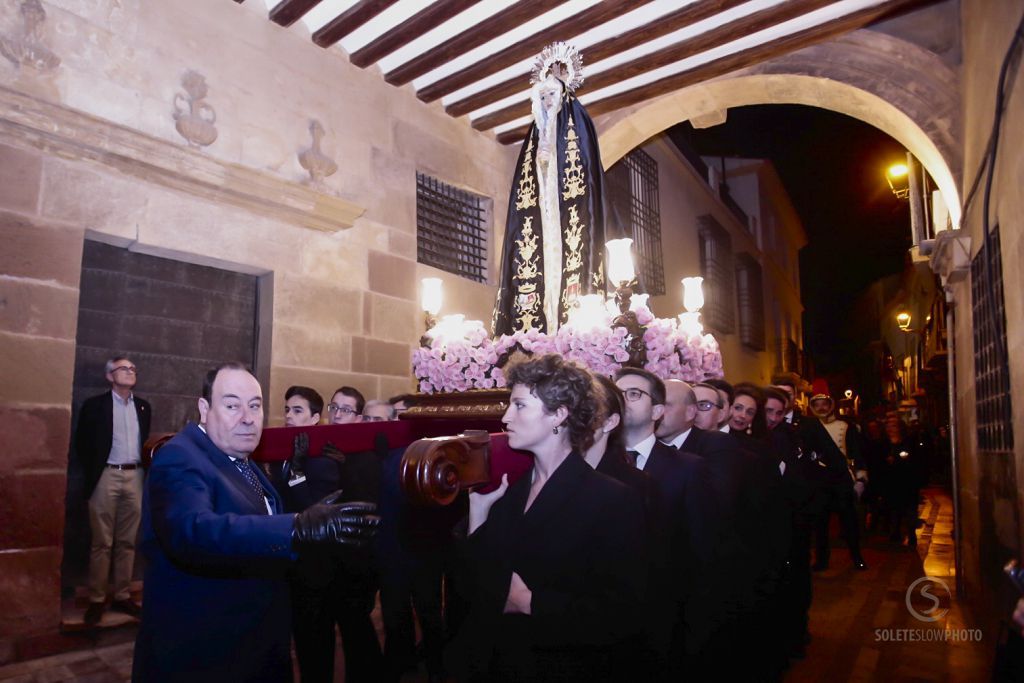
pixel 567 286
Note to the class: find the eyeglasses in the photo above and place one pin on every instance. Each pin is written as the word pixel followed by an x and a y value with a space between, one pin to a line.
pixel 130 369
pixel 344 410
pixel 634 394
pixel 705 406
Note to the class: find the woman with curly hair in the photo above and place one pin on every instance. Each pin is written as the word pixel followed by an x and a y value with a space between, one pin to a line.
pixel 559 557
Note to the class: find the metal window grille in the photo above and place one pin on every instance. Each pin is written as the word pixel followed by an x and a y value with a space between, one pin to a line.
pixel 993 406
pixel 451 230
pixel 717 269
pixel 750 301
pixel 632 184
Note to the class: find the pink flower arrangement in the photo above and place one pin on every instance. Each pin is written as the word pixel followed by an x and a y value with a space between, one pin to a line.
pixel 470 362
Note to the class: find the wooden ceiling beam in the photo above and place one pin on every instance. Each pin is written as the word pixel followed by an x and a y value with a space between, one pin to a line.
pixel 349 20
pixel 486 30
pixel 734 62
pixel 664 25
pixel 409 30
pixel 527 47
pixel 726 33
pixel 287 12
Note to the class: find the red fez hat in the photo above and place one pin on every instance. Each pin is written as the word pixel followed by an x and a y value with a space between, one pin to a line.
pixel 819 389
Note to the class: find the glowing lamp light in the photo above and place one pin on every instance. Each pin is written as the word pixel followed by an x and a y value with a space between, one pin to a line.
pixel 898 170
pixel 903 320
pixel 689 324
pixel 899 182
pixel 693 294
pixel 848 393
pixel 638 302
pixel 449 328
pixel 589 313
pixel 431 295
pixel 620 261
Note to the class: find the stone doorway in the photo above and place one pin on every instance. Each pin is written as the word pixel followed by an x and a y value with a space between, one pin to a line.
pixel 174 320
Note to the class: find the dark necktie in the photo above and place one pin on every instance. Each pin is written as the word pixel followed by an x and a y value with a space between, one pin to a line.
pixel 250 476
pixel 631 457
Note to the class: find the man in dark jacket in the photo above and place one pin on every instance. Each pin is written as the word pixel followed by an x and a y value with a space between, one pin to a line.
pixel 836 444
pixel 218 544
pixel 111 430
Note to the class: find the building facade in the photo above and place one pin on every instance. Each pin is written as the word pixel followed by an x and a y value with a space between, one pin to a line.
pixel 183 131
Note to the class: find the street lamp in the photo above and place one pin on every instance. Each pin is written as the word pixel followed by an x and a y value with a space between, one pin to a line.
pixel 903 320
pixel 898 176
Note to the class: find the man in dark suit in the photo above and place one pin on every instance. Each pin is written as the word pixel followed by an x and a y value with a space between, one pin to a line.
pixel 723 588
pixel 111 430
pixel 680 544
pixel 218 544
pixel 325 590
pixel 798 474
pixel 787 383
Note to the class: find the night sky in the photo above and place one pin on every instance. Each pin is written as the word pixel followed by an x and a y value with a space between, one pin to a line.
pixel 833 167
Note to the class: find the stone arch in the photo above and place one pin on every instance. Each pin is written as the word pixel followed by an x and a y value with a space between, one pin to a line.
pixel 902 89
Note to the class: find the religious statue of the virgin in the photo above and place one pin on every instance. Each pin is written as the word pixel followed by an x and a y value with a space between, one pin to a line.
pixel 553 252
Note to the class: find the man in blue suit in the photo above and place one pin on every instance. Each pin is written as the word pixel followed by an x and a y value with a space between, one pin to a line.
pixel 217 544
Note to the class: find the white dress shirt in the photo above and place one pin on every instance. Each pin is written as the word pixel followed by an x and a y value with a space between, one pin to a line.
pixel 678 442
pixel 643 451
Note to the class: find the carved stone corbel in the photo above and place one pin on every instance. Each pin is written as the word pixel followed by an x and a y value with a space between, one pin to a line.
pixel 26 48
pixel 193 117
pixel 316 163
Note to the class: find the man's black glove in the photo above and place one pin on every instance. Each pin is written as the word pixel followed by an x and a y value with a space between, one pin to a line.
pixel 300 452
pixel 328 523
pixel 333 452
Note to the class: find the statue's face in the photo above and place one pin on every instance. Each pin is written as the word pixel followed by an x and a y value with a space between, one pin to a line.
pixel 550 93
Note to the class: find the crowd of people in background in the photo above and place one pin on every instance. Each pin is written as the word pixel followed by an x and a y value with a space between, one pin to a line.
pixel 737 488
pixel 304 407
pixel 662 523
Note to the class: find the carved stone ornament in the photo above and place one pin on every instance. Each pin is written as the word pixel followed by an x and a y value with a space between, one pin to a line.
pixel 316 163
pixel 26 47
pixel 193 117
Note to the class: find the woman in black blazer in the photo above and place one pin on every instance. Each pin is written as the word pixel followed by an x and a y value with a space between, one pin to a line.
pixel 559 557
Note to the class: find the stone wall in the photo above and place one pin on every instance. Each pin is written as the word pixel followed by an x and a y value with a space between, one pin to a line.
pixel 990 483
pixel 89 148
pixel 39 273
